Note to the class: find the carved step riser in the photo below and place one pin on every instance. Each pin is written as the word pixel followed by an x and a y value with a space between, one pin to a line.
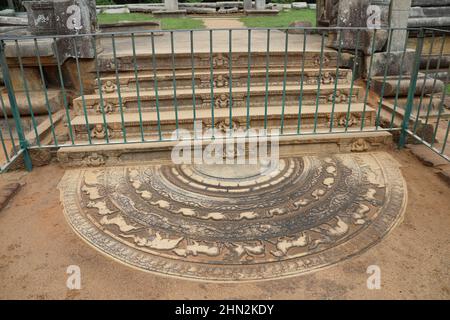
pixel 185 102
pixel 128 82
pixel 202 61
pixel 133 129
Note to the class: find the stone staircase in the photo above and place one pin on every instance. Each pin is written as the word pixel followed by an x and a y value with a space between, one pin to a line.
pixel 194 99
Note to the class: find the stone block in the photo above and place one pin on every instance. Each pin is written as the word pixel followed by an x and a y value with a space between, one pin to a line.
pixel 430 3
pixel 169 14
pixel 7 13
pixel 260 4
pixel 299 5
pixel 348 40
pixel 430 22
pixel 354 14
pixel 117 10
pixel 255 12
pixel 423 12
pixel 312 6
pixel 392 85
pixel 199 10
pixel 248 4
pixel 64 17
pixel 392 61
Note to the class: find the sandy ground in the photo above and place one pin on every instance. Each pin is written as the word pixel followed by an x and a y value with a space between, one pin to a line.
pixel 37 246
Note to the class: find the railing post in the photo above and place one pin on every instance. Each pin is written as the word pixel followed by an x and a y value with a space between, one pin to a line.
pixel 14 110
pixel 412 89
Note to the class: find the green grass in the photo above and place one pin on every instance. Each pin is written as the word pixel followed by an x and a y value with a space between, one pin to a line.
pixel 282 20
pixel 166 23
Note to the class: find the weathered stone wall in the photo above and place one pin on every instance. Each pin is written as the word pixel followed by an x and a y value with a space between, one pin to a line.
pixel 429 13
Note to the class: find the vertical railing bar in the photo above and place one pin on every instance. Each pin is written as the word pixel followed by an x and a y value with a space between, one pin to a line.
pixel 266 97
pixel 416 121
pixel 211 80
pixel 99 85
pixel 400 76
pixel 63 90
pixel 283 99
pixel 347 116
pixel 386 68
pixel 44 88
pixel 83 100
pixel 23 143
pixel 155 83
pixel 27 93
pixel 4 146
pixel 300 97
pixel 230 78
pixel 138 95
pixel 5 115
pixel 319 81
pixel 369 81
pixel 441 106
pixel 249 61
pixel 174 83
pixel 194 100
pixel 411 90
pixel 435 80
pixel 446 137
pixel 119 94
pixel 336 80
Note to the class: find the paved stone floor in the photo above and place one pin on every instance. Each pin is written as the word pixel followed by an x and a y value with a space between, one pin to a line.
pixel 220 42
pixel 37 245
pixel 237 222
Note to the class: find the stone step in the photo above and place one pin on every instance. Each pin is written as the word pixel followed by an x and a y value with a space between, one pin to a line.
pixel 160 151
pixel 220 61
pixel 202 79
pixel 221 120
pixel 221 98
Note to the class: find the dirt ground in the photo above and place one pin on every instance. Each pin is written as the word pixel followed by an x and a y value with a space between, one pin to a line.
pixel 37 246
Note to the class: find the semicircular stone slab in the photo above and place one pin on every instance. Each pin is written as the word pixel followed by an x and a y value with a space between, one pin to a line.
pixel 237 222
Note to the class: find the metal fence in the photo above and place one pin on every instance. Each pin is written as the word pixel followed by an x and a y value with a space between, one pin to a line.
pixel 284 83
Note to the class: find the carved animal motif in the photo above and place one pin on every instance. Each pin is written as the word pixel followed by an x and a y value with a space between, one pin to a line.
pixel 339 230
pixel 188 212
pixel 300 203
pixel 240 249
pixel 247 215
pixel 92 192
pixel 101 206
pixel 118 221
pixel 283 245
pixel 215 216
pixel 163 204
pixel 195 248
pixel 157 242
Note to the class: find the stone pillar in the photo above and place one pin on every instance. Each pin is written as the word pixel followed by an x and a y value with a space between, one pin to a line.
pixel 355 13
pixel 171 5
pixel 171 10
pixel 248 5
pixel 260 4
pixel 64 17
pixel 399 13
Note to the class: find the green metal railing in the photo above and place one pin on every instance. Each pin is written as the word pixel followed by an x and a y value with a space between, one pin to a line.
pixel 278 71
